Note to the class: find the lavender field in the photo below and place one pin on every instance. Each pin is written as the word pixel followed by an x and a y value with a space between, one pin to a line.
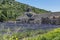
pixel 25 26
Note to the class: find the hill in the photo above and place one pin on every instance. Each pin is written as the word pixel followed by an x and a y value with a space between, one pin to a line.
pixel 10 9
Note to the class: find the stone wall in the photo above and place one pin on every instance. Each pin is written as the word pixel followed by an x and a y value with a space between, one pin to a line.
pixel 54 20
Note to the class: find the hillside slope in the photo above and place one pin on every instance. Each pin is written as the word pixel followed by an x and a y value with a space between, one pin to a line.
pixel 11 9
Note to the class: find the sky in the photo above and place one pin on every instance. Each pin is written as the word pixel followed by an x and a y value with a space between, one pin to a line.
pixel 49 5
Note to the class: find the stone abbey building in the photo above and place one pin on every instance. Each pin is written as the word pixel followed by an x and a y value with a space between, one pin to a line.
pixel 45 18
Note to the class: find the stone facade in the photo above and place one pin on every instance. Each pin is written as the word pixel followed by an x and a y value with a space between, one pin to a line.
pixel 41 19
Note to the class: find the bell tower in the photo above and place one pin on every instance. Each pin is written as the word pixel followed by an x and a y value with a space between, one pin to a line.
pixel 29 12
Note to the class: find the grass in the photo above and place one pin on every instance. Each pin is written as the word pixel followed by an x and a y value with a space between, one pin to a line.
pixel 8 34
pixel 52 35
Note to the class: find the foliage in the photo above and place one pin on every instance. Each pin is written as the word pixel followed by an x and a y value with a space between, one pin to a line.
pixel 19 35
pixel 52 35
pixel 32 35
